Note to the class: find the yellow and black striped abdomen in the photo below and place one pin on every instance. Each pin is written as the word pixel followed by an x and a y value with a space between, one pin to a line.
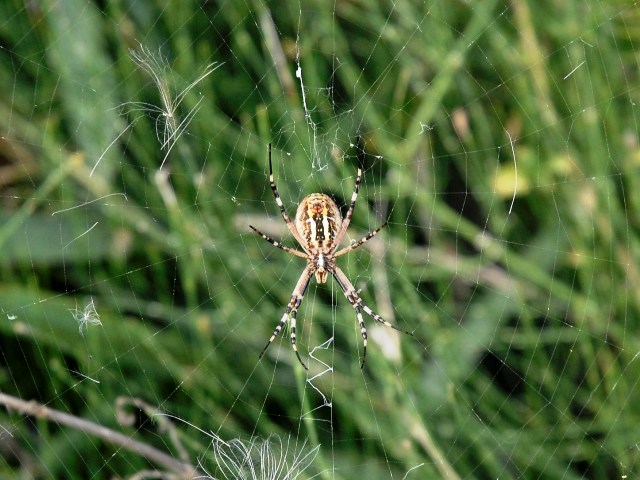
pixel 318 220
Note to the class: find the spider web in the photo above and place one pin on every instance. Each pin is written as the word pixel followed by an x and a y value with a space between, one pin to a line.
pixel 501 145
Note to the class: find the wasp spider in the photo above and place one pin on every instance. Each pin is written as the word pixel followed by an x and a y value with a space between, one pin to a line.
pixel 319 229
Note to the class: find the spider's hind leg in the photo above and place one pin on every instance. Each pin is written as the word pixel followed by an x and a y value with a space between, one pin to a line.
pixel 363 331
pixel 276 332
pixel 293 338
pixel 291 312
pixel 358 305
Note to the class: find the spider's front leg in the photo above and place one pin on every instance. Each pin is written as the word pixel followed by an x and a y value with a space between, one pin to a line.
pixel 292 311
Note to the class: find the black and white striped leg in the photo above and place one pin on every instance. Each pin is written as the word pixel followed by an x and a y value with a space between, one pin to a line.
pixel 354 299
pixel 293 337
pixel 377 317
pixel 363 331
pixel 285 215
pixel 352 205
pixel 274 189
pixel 355 245
pixel 354 196
pixel 350 293
pixel 276 332
pixel 292 311
pixel 275 243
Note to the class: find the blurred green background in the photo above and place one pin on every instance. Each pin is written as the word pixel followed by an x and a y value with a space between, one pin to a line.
pixel 502 146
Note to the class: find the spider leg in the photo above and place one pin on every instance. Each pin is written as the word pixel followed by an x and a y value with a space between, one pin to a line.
pixel 355 245
pixel 293 338
pixel 357 303
pixel 275 243
pixel 363 331
pixel 285 215
pixel 292 311
pixel 347 218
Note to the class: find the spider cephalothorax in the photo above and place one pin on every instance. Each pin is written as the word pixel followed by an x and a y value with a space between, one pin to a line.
pixel 319 229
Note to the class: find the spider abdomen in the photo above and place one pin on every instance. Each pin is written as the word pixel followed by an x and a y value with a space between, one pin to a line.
pixel 318 220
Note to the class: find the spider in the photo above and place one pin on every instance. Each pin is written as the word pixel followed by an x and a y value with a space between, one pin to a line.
pixel 319 229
